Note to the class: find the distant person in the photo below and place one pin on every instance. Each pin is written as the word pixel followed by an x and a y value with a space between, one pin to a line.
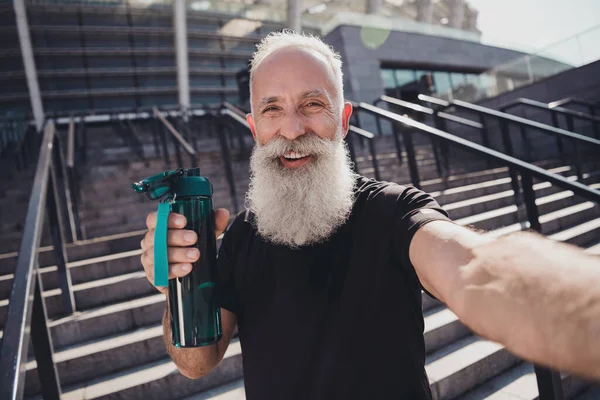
pixel 323 273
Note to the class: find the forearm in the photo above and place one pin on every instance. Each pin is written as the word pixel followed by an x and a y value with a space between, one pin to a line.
pixel 192 362
pixel 539 298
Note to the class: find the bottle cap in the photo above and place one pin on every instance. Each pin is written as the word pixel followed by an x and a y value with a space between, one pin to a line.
pixel 178 182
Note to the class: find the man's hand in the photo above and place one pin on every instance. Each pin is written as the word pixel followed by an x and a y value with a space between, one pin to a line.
pixel 181 256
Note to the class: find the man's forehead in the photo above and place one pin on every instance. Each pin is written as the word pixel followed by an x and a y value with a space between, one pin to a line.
pixel 293 72
pixel 306 94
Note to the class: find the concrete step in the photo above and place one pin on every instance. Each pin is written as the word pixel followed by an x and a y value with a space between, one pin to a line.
pixel 107 320
pixel 81 250
pixel 520 382
pixel 464 364
pixel 83 271
pixel 552 216
pixel 88 361
pixel 93 294
pixel 158 380
pixel 442 327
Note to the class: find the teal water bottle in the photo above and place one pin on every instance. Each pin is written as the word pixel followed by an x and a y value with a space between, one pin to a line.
pixel 195 313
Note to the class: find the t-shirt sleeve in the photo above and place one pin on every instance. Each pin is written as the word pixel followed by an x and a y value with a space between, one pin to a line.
pixel 226 286
pixel 413 209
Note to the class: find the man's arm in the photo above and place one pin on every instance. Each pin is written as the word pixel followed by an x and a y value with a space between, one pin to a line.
pixel 195 362
pixel 539 298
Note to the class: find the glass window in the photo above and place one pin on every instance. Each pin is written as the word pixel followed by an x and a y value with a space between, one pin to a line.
pixel 442 82
pixel 404 76
pixel 387 75
pixel 458 79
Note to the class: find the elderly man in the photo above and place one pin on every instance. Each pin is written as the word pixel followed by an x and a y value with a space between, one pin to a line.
pixel 323 273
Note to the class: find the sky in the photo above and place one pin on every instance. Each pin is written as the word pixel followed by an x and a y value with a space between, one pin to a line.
pixel 535 24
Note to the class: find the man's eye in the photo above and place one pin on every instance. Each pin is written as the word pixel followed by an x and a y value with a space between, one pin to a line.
pixel 313 104
pixel 269 109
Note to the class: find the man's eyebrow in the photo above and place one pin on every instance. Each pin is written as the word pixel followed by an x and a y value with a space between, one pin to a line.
pixel 313 93
pixel 268 100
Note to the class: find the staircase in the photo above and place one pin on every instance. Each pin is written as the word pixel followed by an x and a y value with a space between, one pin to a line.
pixel 112 347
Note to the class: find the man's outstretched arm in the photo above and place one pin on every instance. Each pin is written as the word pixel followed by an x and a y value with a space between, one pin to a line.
pixel 539 298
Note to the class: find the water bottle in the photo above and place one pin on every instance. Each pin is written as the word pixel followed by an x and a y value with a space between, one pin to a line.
pixel 195 316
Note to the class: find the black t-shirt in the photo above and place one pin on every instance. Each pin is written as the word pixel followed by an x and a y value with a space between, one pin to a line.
pixel 338 320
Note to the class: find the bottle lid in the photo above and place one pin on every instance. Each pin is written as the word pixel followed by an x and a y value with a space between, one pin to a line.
pixel 178 182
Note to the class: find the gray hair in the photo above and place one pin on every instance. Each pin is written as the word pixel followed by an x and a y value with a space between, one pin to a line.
pixel 288 38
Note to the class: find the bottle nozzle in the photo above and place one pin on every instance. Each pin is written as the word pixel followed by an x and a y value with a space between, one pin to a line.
pixel 158 185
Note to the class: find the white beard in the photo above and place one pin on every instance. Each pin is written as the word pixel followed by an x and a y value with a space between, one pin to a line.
pixel 303 206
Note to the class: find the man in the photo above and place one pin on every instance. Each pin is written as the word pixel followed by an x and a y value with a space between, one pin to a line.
pixel 323 273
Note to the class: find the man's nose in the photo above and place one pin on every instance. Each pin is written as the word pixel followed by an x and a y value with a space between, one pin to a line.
pixel 293 126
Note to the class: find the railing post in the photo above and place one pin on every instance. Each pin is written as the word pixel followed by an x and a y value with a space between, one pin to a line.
pixel 71 210
pixel 440 124
pixel 514 176
pixel 163 140
pixel 533 215
pixel 41 341
pixel 549 382
pixel 559 143
pixel 576 148
pixel 177 152
pixel 57 232
pixel 155 138
pixel 227 160
pixel 374 158
pixel 412 160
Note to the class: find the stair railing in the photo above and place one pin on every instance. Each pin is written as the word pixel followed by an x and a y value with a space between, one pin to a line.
pixel 26 319
pixel 441 150
pixel 236 115
pixel 593 109
pixel 354 131
pixel 72 184
pixel 179 143
pixel 505 120
pixel 555 112
pixel 549 382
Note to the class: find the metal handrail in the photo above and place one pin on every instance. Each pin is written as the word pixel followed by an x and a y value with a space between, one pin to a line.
pixel 505 119
pixel 239 116
pixel 362 133
pixel 174 132
pixel 512 118
pixel 26 318
pixel 570 115
pixel 543 106
pixel 535 171
pixel 570 100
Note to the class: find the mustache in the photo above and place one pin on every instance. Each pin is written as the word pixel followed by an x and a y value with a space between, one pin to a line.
pixel 309 143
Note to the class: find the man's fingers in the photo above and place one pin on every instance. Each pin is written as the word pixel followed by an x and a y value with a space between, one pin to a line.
pixel 175 237
pixel 175 221
pixel 178 270
pixel 175 255
pixel 221 220
pixel 183 255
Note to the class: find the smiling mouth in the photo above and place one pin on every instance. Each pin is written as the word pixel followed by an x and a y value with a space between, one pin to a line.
pixel 294 156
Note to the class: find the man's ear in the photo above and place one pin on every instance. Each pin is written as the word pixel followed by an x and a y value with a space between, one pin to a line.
pixel 346 114
pixel 251 125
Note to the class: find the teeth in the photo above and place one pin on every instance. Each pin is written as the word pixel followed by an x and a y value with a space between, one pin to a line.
pixel 294 155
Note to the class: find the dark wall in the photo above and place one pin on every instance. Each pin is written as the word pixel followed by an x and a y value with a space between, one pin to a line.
pixel 582 82
pixel 362 64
